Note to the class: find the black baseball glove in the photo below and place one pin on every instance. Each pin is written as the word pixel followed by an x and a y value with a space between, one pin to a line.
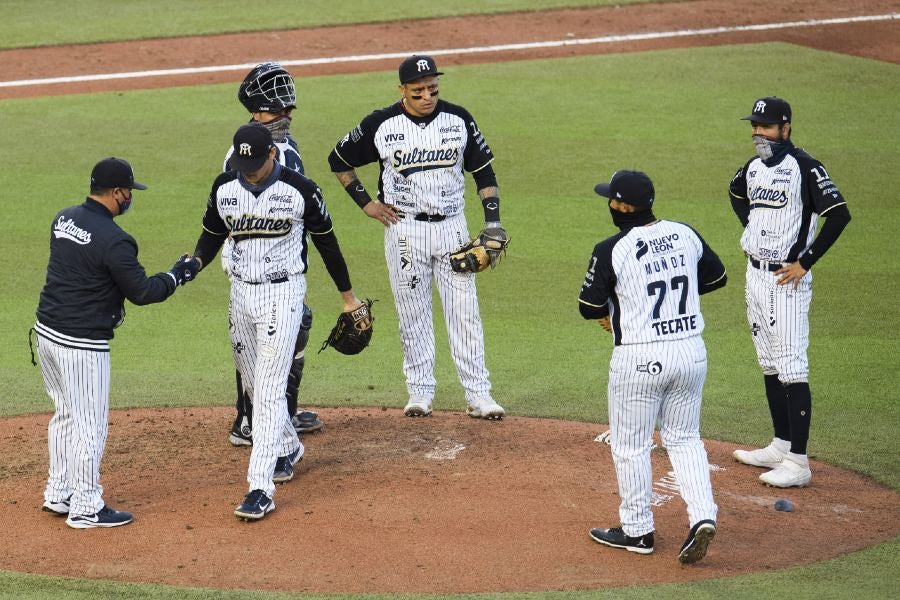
pixel 353 330
pixel 483 251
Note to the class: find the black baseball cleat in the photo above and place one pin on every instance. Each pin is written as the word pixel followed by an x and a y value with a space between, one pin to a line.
pixel 255 506
pixel 616 538
pixel 284 466
pixel 241 434
pixel 697 542
pixel 307 421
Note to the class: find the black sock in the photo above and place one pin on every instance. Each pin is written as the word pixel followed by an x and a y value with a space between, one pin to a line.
pixel 799 402
pixel 778 407
pixel 239 401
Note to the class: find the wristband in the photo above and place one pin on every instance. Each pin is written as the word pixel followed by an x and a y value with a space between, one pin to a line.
pixel 491 209
pixel 359 194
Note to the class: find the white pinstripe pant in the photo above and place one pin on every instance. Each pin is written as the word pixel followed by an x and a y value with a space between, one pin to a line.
pixel 779 323
pixel 640 392
pixel 416 253
pixel 265 319
pixel 77 381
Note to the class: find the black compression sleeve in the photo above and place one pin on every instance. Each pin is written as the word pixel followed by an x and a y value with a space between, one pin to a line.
pixel 485 177
pixel 593 312
pixel 741 208
pixel 330 251
pixel 835 221
pixel 208 246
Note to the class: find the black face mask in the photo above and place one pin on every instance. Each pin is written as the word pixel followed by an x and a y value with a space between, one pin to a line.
pixel 628 220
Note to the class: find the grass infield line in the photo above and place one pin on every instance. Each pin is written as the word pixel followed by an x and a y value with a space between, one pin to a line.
pixel 609 39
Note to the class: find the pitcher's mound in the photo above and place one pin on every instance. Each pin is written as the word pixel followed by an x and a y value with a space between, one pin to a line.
pixel 384 503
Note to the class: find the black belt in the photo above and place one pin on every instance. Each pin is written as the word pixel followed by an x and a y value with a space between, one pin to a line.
pixel 769 266
pixel 429 218
pixel 276 280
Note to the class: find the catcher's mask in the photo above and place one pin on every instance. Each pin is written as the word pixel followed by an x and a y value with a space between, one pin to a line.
pixel 268 88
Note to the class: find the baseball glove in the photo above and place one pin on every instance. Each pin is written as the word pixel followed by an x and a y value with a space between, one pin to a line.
pixel 483 251
pixel 353 330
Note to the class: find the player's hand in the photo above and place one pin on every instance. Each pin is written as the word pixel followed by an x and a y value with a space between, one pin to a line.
pixel 386 214
pixel 185 269
pixel 605 324
pixel 792 272
pixel 351 303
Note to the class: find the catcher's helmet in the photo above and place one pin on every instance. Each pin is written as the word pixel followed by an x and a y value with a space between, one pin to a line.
pixel 267 88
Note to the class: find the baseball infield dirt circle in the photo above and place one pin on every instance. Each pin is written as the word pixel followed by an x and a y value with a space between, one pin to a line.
pixel 383 503
pixel 447 504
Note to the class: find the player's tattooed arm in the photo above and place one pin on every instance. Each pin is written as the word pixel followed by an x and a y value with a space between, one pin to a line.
pixel 386 214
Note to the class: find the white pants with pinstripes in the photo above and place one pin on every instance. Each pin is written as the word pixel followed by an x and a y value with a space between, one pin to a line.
pixel 417 253
pixel 649 382
pixel 264 321
pixel 779 323
pixel 78 382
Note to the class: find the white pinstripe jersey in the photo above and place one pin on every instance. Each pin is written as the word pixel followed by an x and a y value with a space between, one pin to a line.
pixel 650 278
pixel 786 200
pixel 268 228
pixel 421 158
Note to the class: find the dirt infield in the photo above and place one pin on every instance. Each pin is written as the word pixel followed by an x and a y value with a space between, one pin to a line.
pixel 383 503
pixel 447 504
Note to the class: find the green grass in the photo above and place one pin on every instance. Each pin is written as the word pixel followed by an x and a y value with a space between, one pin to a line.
pixel 673 114
pixel 29 23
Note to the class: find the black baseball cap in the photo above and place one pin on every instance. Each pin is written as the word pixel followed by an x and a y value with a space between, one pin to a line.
pixel 630 187
pixel 417 67
pixel 770 110
pixel 252 143
pixel 114 172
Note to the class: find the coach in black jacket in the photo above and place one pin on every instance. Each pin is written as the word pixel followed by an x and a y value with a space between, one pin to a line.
pixel 93 267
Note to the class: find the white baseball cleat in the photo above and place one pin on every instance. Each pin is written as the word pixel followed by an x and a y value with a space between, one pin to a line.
pixel 486 409
pixel 793 471
pixel 417 407
pixel 769 457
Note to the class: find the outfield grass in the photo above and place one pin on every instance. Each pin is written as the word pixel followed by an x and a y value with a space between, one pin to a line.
pixel 673 114
pixel 29 23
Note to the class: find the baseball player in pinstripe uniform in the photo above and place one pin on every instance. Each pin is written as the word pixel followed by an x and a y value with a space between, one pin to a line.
pixel 269 95
pixel 424 146
pixel 644 285
pixel 267 210
pixel 93 267
pixel 778 197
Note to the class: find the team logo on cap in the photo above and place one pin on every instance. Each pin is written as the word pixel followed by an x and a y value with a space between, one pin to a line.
pixel 760 107
pixel 244 150
pixel 422 65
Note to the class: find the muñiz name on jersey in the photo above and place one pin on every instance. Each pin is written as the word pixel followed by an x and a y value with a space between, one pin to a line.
pixel 253 226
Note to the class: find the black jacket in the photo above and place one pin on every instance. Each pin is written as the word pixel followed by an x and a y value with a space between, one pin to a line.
pixel 93 267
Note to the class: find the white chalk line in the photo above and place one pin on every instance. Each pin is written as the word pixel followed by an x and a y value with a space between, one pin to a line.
pixel 609 39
